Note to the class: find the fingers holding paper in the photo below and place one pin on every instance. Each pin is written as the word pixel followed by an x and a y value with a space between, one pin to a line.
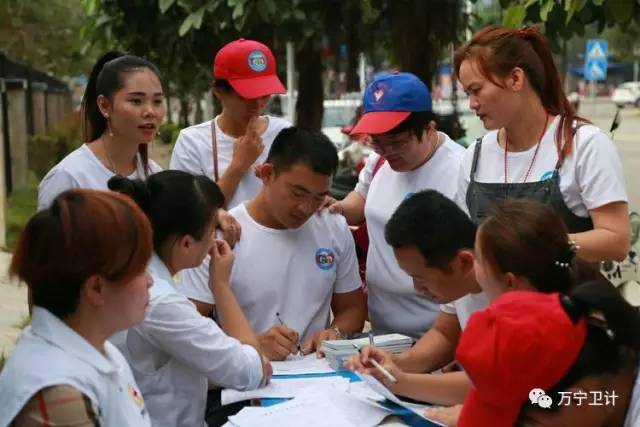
pixel 314 342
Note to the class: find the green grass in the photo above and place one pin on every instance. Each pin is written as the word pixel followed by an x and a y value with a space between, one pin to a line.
pixel 21 205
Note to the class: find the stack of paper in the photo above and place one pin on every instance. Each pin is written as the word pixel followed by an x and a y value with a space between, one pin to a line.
pixel 338 351
pixel 296 365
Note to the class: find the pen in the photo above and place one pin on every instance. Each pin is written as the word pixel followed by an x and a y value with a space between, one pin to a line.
pixel 282 323
pixel 371 343
pixel 378 366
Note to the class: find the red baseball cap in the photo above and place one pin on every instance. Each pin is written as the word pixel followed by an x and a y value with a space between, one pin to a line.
pixel 249 67
pixel 523 341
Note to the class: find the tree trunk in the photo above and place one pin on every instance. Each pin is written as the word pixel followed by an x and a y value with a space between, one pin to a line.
pixel 419 34
pixel 169 112
pixel 184 111
pixel 353 42
pixel 309 107
pixel 199 113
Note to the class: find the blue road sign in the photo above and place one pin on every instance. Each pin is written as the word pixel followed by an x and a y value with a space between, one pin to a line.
pixel 595 63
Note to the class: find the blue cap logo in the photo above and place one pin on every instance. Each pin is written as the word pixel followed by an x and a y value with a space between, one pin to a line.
pixel 325 258
pixel 397 92
pixel 257 61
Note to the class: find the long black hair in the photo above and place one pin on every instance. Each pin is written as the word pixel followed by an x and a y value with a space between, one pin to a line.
pixel 177 203
pixel 107 76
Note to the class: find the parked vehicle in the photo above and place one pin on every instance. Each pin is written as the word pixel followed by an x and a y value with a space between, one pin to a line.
pixel 627 94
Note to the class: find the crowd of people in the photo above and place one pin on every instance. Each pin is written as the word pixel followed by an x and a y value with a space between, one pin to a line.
pixel 151 290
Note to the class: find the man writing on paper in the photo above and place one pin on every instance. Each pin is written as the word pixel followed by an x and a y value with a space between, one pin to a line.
pixel 293 265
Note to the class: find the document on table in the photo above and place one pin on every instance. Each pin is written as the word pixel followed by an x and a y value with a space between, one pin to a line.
pixel 282 388
pixel 309 364
pixel 322 406
pixel 383 391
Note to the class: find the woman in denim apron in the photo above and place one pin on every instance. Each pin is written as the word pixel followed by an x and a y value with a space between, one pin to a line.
pixel 538 148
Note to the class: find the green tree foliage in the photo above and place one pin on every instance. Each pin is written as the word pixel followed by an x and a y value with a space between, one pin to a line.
pixel 45 34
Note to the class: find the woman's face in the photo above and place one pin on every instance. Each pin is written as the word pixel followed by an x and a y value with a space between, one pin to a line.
pixel 491 282
pixel 136 111
pixel 198 249
pixel 494 105
pixel 128 301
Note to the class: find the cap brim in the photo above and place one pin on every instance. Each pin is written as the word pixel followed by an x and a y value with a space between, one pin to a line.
pixel 376 122
pixel 476 412
pixel 257 87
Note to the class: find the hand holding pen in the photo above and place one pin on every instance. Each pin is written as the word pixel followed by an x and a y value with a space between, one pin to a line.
pixel 279 341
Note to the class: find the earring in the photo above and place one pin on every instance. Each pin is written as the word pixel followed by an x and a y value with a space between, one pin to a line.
pixel 109 126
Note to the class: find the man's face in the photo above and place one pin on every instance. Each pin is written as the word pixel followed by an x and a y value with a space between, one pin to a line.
pixel 441 285
pixel 293 195
pixel 401 150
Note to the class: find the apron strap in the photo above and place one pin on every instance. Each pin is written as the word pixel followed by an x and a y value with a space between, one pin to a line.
pixel 214 146
pixel 476 156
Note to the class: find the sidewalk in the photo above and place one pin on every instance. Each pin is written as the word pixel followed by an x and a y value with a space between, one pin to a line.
pixel 13 307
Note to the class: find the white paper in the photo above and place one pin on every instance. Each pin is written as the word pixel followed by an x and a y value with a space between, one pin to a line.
pixel 281 388
pixel 383 391
pixel 320 406
pixel 309 364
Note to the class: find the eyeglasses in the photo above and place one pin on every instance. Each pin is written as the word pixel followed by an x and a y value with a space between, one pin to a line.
pixel 389 144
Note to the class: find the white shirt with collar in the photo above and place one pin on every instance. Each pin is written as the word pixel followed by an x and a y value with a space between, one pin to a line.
pixel 82 169
pixel 294 272
pixel 175 352
pixel 50 353
pixel 394 304
pixel 193 153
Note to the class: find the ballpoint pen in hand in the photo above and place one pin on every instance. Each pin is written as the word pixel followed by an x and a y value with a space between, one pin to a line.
pixel 299 353
pixel 378 366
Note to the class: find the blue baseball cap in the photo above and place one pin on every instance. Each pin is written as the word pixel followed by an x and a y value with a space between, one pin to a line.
pixel 389 100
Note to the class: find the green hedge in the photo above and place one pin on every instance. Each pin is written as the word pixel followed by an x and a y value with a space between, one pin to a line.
pixel 46 150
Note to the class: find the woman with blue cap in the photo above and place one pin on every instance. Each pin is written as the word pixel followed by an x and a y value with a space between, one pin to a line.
pixel 410 155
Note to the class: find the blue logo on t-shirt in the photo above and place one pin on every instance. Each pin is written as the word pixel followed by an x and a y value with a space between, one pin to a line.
pixel 325 258
pixel 547 175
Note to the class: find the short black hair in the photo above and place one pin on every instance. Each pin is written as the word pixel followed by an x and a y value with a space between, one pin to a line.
pixel 313 148
pixel 416 122
pixel 223 85
pixel 434 224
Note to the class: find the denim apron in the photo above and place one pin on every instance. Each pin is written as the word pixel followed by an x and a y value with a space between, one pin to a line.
pixel 482 196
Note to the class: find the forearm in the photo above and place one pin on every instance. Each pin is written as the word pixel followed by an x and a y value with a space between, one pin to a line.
pixel 432 351
pixel 350 320
pixel 602 244
pixel 231 317
pixel 230 180
pixel 353 208
pixel 440 389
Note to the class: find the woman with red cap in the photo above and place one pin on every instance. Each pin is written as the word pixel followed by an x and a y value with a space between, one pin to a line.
pixel 551 360
pixel 537 147
pixel 228 147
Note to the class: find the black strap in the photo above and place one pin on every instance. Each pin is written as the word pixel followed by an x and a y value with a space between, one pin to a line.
pixel 476 156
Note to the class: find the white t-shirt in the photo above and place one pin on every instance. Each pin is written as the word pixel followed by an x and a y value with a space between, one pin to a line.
pixel 464 307
pixel 82 169
pixel 394 305
pixel 50 353
pixel 193 153
pixel 633 411
pixel 175 352
pixel 591 177
pixel 309 265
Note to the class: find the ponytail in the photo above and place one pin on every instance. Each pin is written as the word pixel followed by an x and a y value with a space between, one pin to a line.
pixel 613 332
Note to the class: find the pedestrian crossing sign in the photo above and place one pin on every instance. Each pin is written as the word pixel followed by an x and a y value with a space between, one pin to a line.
pixel 595 65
